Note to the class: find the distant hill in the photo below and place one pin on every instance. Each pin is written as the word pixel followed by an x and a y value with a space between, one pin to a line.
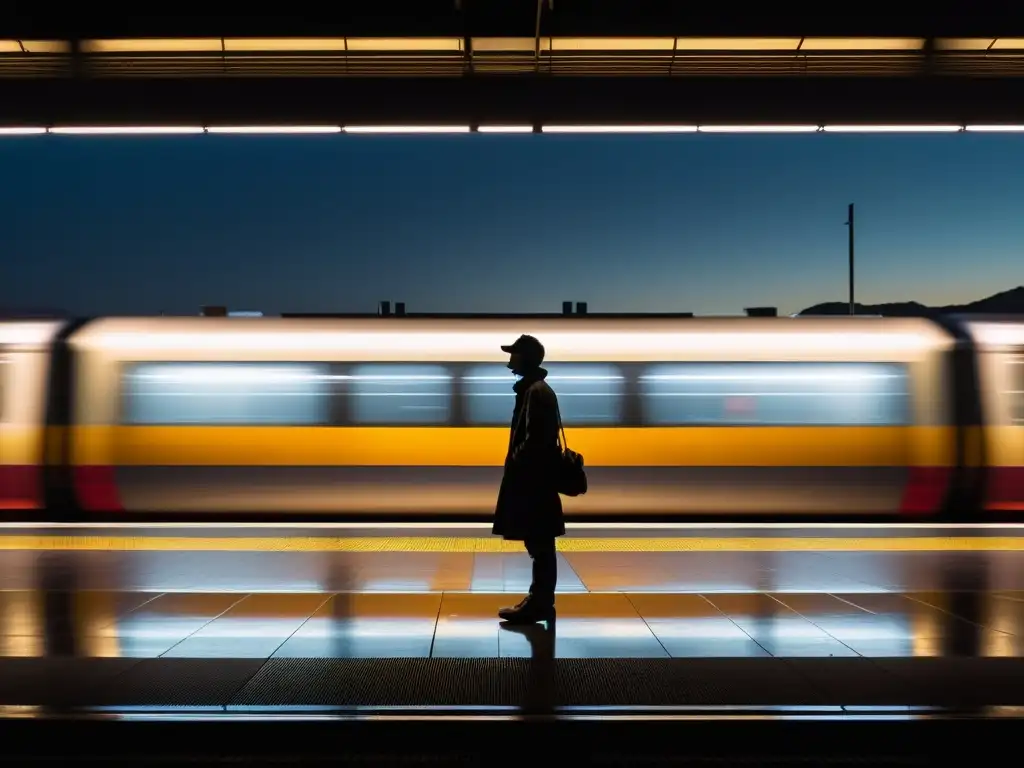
pixel 31 313
pixel 1009 302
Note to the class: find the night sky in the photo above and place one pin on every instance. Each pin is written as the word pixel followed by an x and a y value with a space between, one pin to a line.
pixel 701 223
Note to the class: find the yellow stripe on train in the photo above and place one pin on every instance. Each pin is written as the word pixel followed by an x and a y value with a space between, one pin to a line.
pixel 470 446
pixel 20 444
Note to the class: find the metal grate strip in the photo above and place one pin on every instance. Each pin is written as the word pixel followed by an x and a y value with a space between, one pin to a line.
pixel 959 683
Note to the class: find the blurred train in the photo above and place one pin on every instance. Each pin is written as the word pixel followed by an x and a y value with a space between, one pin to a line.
pixel 407 418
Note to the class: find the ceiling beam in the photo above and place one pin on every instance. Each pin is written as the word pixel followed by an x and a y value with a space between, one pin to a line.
pixel 512 101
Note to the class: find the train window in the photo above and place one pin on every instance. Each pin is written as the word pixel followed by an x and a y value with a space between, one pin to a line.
pixel 284 394
pixel 4 368
pixel 588 393
pixel 1016 392
pixel 402 393
pixel 488 394
pixel 791 394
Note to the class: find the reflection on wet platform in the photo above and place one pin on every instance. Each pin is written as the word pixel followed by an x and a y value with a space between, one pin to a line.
pixel 419 605
pixel 700 571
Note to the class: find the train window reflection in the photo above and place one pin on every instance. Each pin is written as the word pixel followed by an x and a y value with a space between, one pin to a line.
pixel 818 394
pixel 283 394
pixel 588 393
pixel 403 393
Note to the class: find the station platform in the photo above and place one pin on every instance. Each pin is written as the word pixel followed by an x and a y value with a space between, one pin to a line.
pixel 171 626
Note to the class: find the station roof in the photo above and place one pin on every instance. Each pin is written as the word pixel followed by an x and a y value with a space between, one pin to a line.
pixel 525 18
pixel 530 62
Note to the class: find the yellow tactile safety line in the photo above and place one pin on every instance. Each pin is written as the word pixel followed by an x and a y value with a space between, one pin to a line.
pixel 482 544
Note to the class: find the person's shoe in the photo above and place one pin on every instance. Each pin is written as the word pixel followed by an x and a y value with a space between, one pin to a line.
pixel 530 611
pixel 506 613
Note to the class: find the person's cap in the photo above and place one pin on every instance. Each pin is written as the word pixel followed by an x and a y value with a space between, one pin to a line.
pixel 527 346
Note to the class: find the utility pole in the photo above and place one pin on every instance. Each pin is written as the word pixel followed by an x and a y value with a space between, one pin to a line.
pixel 849 223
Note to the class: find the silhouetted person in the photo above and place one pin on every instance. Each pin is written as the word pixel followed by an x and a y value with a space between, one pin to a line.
pixel 529 508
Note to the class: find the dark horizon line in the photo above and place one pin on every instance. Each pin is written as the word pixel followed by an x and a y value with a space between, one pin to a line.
pixel 1014 296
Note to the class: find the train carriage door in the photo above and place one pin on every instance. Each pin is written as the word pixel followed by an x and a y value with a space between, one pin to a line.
pixel 21 431
pixel 8 465
pixel 1003 388
pixel 778 438
pixel 242 437
pixel 1013 371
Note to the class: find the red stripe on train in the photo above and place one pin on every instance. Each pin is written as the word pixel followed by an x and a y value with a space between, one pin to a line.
pixel 20 486
pixel 1005 489
pixel 926 489
pixel 96 489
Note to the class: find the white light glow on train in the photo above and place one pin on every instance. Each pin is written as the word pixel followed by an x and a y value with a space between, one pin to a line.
pixel 626 346
pixel 814 373
pixel 228 374
pixel 26 333
pixel 998 334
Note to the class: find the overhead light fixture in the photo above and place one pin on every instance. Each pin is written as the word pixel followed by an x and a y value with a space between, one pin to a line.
pixel 995 128
pixel 759 128
pixel 273 129
pixel 154 45
pixel 172 130
pixel 404 44
pixel 30 47
pixel 505 129
pixel 864 44
pixel 693 44
pixel 384 129
pixel 619 129
pixel 22 131
pixel 892 128
pixel 124 130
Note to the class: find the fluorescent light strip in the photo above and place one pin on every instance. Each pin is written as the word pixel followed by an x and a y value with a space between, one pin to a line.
pixel 213 524
pixel 995 128
pixel 122 130
pixel 505 129
pixel 892 128
pixel 619 129
pixel 273 129
pixel 22 131
pixel 759 128
pixel 406 129
pixel 521 129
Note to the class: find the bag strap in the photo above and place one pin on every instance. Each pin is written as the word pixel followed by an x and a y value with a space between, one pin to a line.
pixel 561 429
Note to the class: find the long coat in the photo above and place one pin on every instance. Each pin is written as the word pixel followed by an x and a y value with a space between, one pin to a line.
pixel 528 504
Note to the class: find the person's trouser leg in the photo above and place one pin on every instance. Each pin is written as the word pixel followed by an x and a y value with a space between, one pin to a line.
pixel 540 603
pixel 545 568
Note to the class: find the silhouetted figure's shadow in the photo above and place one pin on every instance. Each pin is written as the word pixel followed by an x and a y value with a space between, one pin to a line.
pixel 965 582
pixel 341 608
pixel 965 585
pixel 540 683
pixel 57 578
